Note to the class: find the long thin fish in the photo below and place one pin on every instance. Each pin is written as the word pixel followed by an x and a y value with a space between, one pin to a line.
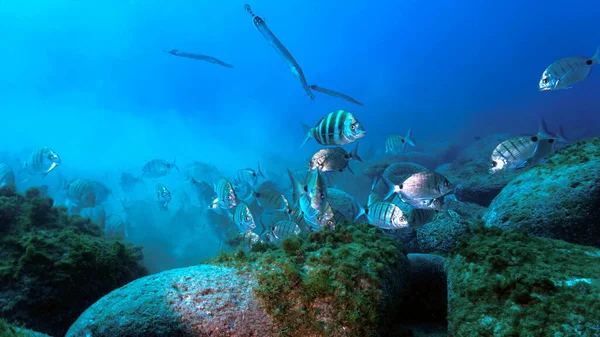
pixel 260 24
pixel 198 57
pixel 335 94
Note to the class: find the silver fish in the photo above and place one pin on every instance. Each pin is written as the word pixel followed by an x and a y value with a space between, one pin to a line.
pixel 261 26
pixel 420 185
pixel 200 57
pixel 335 94
pixel 334 159
pixel 385 215
pixel 226 196
pixel 204 191
pixel 315 188
pixel 101 192
pixel 544 148
pixel 157 168
pixel 339 127
pixel 243 219
pixel 323 217
pixel 397 143
pixel 80 194
pixel 163 196
pixel 563 73
pixel 115 228
pixel 285 228
pixel 42 161
pixel 270 198
pixel 7 176
pixel 247 176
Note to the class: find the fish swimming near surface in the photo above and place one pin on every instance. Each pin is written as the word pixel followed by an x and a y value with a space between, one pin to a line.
pixel 243 219
pixel 247 175
pixel 339 127
pixel 334 159
pixel 564 73
pixel 157 168
pixel 226 196
pixel 163 196
pixel 128 181
pixel 397 143
pixel 7 176
pixel 335 94
pixel 41 161
pixel 198 57
pixel 261 26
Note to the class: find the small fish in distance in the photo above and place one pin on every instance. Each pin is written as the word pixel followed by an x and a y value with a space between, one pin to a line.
pixel 200 57
pixel 335 94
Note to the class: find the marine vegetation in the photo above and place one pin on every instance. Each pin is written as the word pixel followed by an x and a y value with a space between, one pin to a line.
pixel 509 283
pixel 329 283
pixel 52 265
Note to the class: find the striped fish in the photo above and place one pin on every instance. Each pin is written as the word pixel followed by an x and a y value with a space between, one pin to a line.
pixel 226 196
pixel 285 228
pixel 337 128
pixel 384 215
pixel 563 73
pixel 247 176
pixel 261 26
pixel 100 191
pixel 115 228
pixel 315 188
pixel 270 198
pixel 163 196
pixel 97 214
pixel 157 168
pixel 42 161
pixel 333 159
pixel 80 194
pixel 7 176
pixel 397 143
pixel 421 185
pixel 204 191
pixel 513 153
pixel 243 219
pixel 419 217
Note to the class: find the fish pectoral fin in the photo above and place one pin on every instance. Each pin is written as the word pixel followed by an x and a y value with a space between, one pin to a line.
pixel 521 165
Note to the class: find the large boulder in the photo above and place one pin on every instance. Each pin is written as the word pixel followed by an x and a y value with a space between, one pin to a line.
pixel 557 199
pixel 508 283
pixel 443 233
pixel 341 283
pixel 52 265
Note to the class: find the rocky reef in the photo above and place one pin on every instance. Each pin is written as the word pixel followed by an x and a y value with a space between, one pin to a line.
pixel 342 283
pixel 52 265
pixel 558 199
pixel 505 282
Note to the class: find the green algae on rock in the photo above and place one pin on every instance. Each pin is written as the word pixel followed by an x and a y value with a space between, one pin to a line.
pixel 509 283
pixel 8 330
pixel 558 199
pixel 339 283
pixel 52 265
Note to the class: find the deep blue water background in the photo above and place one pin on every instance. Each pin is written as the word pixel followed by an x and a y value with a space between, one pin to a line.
pixel 91 80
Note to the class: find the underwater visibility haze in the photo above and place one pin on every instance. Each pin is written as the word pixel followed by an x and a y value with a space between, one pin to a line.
pixel 369 152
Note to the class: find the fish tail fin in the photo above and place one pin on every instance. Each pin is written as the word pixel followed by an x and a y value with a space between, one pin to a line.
pixel 361 210
pixel 297 189
pixel 596 57
pixel 543 132
pixel 354 154
pixel 175 165
pixel 391 187
pixel 409 137
pixel 561 135
pixel 308 131
pixel 259 171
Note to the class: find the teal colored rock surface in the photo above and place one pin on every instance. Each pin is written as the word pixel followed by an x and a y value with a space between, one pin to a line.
pixel 53 266
pixel 510 283
pixel 443 233
pixel 342 283
pixel 558 199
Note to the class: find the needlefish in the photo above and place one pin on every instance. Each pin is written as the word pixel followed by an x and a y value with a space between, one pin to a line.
pixel 335 94
pixel 261 26
pixel 200 57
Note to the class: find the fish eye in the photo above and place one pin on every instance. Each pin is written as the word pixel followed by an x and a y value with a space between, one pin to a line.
pixel 353 127
pixel 550 141
pixel 322 195
pixel 494 163
pixel 589 62
pixel 330 222
pixel 247 218
pixel 446 183
pixel 546 80
pixel 229 197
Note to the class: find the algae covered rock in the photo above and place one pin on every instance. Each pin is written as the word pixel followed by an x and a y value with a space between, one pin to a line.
pixel 8 330
pixel 341 283
pixel 52 265
pixel 443 233
pixel 509 283
pixel 557 199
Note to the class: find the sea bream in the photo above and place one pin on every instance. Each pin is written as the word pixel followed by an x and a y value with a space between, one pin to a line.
pixel 397 143
pixel 339 127
pixel 7 176
pixel 426 185
pixel 335 94
pixel 163 196
pixel 383 214
pixel 80 194
pixel 41 161
pixel 333 159
pixel 157 168
pixel 200 57
pixel 261 26
pixel 226 196
pixel 243 219
pixel 314 187
pixel 563 73
pixel 247 176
